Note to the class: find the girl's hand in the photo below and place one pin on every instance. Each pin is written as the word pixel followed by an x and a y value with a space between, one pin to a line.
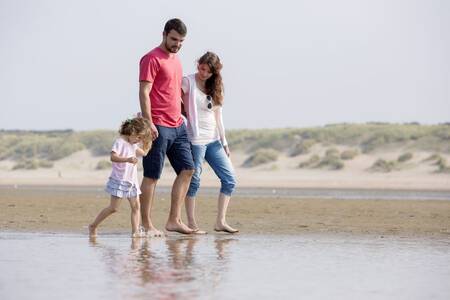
pixel 132 160
pixel 227 150
pixel 154 131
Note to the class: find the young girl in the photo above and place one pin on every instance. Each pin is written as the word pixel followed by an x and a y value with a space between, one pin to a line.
pixel 123 181
pixel 203 101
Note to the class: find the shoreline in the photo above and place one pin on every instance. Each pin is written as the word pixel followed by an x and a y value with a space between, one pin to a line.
pixel 62 211
pixel 275 192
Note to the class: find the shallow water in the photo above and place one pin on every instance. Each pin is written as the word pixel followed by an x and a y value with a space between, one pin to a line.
pixel 300 193
pixel 69 266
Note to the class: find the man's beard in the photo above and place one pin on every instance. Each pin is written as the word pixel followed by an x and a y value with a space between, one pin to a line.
pixel 173 49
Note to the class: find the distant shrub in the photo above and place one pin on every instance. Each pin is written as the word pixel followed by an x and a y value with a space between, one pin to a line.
pixel 349 154
pixel 443 167
pixel 382 165
pixel 103 164
pixel 261 156
pixel 99 142
pixel 58 150
pixel 441 164
pixel 45 164
pixel 332 152
pixel 311 162
pixel 405 157
pixel 273 167
pixel 302 147
pixel 433 157
pixel 331 162
pixel 441 161
pixel 32 164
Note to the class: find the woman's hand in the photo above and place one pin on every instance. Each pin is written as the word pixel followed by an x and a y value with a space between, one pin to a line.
pixel 132 160
pixel 227 150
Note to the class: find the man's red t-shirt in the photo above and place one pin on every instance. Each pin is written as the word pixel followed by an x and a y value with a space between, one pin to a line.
pixel 165 73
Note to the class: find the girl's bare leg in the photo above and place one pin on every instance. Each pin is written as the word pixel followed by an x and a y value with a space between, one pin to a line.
pixel 221 223
pixel 106 212
pixel 135 216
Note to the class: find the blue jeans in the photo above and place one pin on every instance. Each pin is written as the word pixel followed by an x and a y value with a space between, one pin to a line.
pixel 216 157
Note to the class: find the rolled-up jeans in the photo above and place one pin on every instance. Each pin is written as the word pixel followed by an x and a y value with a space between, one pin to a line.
pixel 215 156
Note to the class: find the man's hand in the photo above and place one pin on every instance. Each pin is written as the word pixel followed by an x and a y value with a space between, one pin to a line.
pixel 132 160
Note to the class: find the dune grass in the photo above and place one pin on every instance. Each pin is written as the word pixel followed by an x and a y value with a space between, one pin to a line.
pixel 361 138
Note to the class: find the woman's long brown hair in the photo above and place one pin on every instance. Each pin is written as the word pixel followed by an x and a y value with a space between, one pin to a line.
pixel 214 84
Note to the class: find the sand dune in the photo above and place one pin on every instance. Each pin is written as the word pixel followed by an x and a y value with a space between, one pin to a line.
pixel 79 169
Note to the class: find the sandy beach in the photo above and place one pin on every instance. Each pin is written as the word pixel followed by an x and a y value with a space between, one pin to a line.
pixel 46 210
pixel 47 205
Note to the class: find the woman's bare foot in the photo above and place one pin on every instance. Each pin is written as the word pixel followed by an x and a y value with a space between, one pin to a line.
pixel 92 231
pixel 179 227
pixel 194 227
pixel 225 228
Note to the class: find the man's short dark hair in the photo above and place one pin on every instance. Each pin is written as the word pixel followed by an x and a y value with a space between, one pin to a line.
pixel 177 25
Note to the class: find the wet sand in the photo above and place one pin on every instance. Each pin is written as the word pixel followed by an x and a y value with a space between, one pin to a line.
pixel 37 210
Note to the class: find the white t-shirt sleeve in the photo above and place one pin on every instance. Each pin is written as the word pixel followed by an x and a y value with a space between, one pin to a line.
pixel 117 146
pixel 185 85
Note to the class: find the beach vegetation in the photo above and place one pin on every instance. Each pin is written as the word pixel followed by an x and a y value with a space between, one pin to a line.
pixel 370 137
pixel 311 162
pixel 331 160
pixel 261 156
pixel 302 147
pixel 405 157
pixel 382 165
pixel 32 164
pixel 349 154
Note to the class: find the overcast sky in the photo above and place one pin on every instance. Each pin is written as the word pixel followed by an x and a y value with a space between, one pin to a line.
pixel 74 64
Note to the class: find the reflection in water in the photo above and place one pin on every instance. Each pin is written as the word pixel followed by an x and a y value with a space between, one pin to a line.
pixel 37 266
pixel 166 268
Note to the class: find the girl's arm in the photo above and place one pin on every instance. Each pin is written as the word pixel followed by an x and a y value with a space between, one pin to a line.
pixel 140 152
pixel 221 128
pixel 120 159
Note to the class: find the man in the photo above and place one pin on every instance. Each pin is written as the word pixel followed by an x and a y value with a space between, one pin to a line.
pixel 160 99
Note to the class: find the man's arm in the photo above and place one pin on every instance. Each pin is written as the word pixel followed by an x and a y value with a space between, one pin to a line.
pixel 146 107
pixel 144 98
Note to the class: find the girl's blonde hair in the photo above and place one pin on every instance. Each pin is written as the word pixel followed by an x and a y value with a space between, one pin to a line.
pixel 140 127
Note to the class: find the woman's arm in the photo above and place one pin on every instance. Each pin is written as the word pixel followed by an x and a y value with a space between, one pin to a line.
pixel 221 128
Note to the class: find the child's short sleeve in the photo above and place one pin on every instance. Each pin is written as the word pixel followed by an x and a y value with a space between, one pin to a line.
pixel 117 146
pixel 148 68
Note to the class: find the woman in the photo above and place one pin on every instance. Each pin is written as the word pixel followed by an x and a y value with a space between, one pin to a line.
pixel 203 101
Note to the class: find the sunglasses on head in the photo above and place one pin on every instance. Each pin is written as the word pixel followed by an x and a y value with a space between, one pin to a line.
pixel 209 99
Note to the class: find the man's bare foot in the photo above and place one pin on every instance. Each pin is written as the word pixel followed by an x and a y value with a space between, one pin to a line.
pixel 179 227
pixel 92 231
pixel 225 228
pixel 199 232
